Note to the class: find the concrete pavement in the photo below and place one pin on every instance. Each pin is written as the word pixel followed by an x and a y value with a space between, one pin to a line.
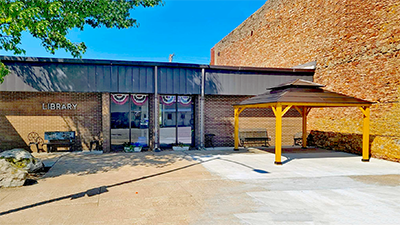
pixel 208 187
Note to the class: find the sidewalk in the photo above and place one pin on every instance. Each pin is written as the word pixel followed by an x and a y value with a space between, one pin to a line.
pixel 208 187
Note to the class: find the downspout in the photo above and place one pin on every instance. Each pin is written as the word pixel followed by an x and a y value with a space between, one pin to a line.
pixel 156 119
pixel 202 109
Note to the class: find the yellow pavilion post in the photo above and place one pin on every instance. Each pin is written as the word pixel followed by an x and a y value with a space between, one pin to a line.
pixel 278 134
pixel 236 133
pixel 366 118
pixel 279 113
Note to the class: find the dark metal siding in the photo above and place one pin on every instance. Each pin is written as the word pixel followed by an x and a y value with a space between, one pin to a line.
pixel 78 78
pixel 135 79
pixel 67 75
pixel 246 83
pixel 184 81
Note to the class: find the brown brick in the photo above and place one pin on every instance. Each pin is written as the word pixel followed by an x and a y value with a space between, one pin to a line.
pixel 357 48
pixel 219 120
pixel 22 113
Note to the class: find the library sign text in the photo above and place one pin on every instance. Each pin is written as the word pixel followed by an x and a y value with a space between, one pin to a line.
pixel 59 106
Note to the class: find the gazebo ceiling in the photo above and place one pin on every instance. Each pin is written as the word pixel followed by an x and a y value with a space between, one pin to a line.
pixel 302 91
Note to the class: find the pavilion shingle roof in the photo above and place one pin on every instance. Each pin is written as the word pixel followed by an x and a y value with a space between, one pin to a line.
pixel 302 91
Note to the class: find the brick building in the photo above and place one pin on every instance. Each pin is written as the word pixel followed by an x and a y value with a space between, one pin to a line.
pixel 148 103
pixel 356 46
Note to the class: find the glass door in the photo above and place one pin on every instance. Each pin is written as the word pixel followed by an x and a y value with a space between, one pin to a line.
pixel 176 120
pixel 185 120
pixel 129 120
pixel 167 119
pixel 120 106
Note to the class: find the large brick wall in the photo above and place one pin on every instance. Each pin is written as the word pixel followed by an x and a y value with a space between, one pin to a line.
pixel 219 120
pixel 357 48
pixel 22 113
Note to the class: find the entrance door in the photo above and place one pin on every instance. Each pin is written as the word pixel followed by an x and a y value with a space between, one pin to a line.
pixel 129 120
pixel 176 120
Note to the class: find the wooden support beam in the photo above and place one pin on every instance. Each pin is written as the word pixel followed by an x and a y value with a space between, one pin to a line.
pixel 278 134
pixel 286 110
pixel 366 119
pixel 236 133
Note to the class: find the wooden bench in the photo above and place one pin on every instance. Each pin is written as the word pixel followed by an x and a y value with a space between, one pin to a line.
pixel 255 135
pixel 59 139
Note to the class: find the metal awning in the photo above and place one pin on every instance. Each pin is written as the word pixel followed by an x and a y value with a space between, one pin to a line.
pixel 303 95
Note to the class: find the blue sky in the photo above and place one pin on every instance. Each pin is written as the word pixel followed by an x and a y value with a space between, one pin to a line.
pixel 187 28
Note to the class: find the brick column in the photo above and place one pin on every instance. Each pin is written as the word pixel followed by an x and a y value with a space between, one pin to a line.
pixel 106 120
pixel 197 124
pixel 152 117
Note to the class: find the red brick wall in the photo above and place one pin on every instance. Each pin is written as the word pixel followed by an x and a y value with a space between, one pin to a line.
pixel 22 113
pixel 357 48
pixel 219 120
pixel 106 122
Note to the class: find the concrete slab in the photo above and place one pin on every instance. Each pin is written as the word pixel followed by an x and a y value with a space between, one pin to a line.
pixel 208 187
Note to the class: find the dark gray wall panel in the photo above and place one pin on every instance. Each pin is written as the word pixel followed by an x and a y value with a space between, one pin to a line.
pixel 114 78
pixel 183 81
pixel 66 75
pixel 99 77
pixel 14 83
pixel 136 75
pixel 246 83
pixel 148 80
pixel 91 77
pixel 136 79
pixel 78 78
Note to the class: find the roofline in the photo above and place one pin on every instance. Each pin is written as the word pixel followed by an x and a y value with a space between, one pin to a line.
pixel 310 104
pixel 145 63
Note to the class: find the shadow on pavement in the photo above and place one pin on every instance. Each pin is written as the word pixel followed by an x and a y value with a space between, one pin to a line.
pixel 104 189
pixel 84 164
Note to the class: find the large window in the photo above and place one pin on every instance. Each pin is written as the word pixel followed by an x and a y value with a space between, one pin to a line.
pixel 176 120
pixel 129 120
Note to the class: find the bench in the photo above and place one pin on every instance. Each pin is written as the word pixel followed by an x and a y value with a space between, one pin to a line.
pixel 59 139
pixel 255 135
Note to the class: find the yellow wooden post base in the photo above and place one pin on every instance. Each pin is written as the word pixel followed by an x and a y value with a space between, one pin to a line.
pixel 236 134
pixel 278 131
pixel 366 118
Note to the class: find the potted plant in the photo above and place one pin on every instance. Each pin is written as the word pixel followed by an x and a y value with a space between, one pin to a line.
pixel 180 147
pixel 127 147
pixel 137 147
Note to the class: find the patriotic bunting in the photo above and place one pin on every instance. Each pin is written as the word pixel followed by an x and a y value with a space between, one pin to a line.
pixel 171 99
pixel 139 100
pixel 185 100
pixel 119 99
pixel 167 99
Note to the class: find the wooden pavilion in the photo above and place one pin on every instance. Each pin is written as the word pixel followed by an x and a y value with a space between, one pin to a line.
pixel 303 96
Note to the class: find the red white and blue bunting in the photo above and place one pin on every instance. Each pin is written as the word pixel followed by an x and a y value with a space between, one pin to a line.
pixel 171 99
pixel 139 100
pixel 185 100
pixel 119 99
pixel 167 99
